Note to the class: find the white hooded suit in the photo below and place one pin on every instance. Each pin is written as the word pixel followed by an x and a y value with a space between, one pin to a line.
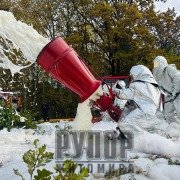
pixel 145 92
pixel 168 78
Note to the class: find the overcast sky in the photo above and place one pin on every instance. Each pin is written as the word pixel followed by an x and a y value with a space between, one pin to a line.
pixel 169 4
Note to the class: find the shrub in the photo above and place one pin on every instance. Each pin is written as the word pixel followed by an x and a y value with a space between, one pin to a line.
pixel 9 118
pixel 39 157
pixel 29 119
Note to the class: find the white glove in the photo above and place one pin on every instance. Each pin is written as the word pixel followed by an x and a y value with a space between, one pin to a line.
pixel 116 91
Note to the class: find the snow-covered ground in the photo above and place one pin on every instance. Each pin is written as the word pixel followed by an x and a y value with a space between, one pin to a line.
pixel 151 154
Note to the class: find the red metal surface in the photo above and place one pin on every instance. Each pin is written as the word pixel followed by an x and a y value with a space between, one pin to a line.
pixel 63 64
pixel 115 77
pixel 105 103
pixel 111 80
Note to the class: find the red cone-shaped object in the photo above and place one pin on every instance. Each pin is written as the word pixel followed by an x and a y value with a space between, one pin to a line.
pixel 63 64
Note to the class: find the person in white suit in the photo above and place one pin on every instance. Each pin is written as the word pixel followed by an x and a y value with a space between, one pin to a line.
pixel 144 92
pixel 168 78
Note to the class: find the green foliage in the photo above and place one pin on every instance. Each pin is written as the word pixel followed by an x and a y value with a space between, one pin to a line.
pixel 95 112
pixel 29 119
pixel 68 171
pixel 173 162
pixel 9 118
pixel 35 159
pixel 111 36
pixel 114 173
pixel 16 172
pixel 39 157
pixel 14 55
pixel 5 5
pixel 117 174
pixel 43 175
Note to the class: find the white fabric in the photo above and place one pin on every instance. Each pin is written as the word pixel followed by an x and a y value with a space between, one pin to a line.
pixel 168 77
pixel 146 95
pixel 171 108
pixel 121 83
pixel 119 102
pixel 162 60
pixel 138 118
pixel 142 73
pixel 105 88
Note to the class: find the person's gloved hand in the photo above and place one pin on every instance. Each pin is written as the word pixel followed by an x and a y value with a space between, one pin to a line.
pixel 116 91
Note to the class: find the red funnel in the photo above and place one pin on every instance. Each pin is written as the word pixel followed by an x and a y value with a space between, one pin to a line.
pixel 63 64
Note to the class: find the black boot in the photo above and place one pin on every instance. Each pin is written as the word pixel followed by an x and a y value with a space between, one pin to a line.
pixel 121 135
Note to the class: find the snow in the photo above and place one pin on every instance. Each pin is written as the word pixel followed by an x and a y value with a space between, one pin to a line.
pixel 155 144
pixel 15 143
pixel 83 116
pixel 16 35
pixel 150 154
